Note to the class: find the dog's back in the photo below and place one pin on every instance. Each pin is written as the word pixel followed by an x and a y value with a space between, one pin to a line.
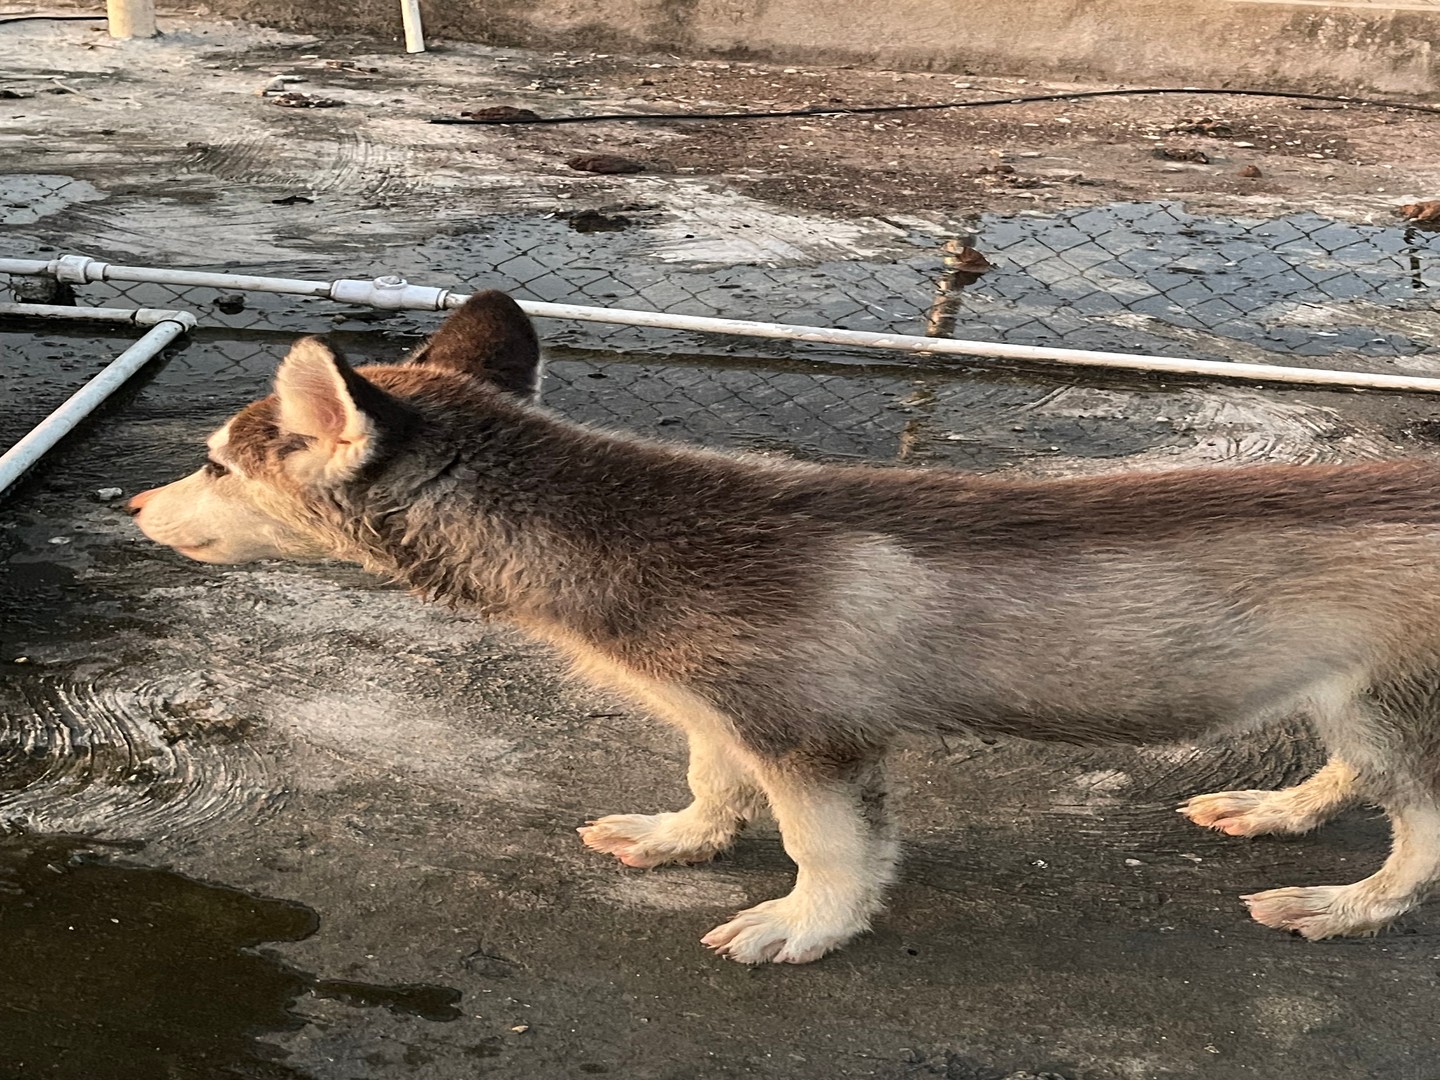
pixel 1134 608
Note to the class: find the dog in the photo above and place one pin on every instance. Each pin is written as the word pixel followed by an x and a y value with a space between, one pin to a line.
pixel 794 620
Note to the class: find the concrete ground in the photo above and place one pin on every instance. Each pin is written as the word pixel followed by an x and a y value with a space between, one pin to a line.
pixel 272 822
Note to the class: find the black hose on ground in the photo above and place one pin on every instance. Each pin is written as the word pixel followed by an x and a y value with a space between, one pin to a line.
pixel 860 110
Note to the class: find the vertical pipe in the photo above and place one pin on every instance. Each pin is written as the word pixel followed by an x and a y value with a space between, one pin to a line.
pixel 963 267
pixel 414 32
pixel 940 319
pixel 131 18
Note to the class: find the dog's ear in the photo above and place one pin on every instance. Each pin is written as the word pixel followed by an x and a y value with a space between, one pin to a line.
pixel 490 338
pixel 344 417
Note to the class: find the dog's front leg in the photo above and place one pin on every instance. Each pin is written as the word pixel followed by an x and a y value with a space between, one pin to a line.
pixel 835 826
pixel 725 797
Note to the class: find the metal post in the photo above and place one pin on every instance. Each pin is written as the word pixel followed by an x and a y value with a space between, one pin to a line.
pixel 414 31
pixel 131 18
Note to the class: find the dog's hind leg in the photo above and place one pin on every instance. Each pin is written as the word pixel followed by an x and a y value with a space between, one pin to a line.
pixel 725 797
pixel 833 820
pixel 1295 809
pixel 1390 743
pixel 1367 906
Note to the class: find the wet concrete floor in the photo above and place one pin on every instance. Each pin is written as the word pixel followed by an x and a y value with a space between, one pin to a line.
pixel 279 822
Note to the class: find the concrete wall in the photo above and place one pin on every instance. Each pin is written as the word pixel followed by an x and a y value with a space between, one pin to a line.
pixel 1306 45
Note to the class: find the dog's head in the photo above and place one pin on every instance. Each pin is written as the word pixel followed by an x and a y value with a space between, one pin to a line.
pixel 275 468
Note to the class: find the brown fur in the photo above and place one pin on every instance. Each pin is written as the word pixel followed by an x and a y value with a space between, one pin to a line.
pixel 795 619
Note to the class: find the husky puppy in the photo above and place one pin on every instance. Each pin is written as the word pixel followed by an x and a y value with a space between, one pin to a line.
pixel 794 620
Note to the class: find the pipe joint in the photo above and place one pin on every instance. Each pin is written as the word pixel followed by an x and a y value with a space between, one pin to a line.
pixel 78 269
pixel 389 293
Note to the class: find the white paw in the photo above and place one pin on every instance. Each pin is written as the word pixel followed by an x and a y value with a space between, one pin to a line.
pixel 783 931
pixel 1321 911
pixel 1247 813
pixel 646 840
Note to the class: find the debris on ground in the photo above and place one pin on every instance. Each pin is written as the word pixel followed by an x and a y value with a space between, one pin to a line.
pixel 1006 175
pixel 1190 154
pixel 606 164
pixel 66 88
pixel 592 220
pixel 1250 172
pixel 349 66
pixel 278 85
pixel 500 114
pixel 1211 126
pixel 230 304
pixel 292 200
pixel 1422 213
pixel 293 99
pixel 42 290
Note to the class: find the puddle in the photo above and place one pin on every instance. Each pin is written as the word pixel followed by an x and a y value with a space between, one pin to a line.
pixel 1229 278
pixel 1134 277
pixel 43 364
pixel 131 973
pixel 31 197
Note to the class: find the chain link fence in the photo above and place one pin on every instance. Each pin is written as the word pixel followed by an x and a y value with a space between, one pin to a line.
pixel 1147 278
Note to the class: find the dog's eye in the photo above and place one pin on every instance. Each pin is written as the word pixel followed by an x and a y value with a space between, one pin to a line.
pixel 214 468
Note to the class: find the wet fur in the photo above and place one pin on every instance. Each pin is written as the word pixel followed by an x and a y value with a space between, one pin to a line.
pixel 796 619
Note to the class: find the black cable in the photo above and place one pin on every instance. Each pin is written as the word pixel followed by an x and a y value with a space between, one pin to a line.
pixel 27 16
pixel 840 110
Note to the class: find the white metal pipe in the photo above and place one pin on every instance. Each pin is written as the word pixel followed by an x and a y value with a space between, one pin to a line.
pixel 999 350
pixel 131 18
pixel 414 31
pixel 396 293
pixel 134 316
pixel 81 270
pixel 390 292
pixel 165 327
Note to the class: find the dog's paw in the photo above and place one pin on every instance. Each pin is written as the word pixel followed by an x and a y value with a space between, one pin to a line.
pixel 1320 911
pixel 780 932
pixel 647 840
pixel 1247 813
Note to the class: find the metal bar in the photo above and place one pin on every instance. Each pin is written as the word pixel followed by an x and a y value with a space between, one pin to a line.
pixel 925 346
pixel 134 316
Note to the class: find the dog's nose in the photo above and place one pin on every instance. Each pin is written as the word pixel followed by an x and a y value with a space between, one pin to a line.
pixel 136 504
